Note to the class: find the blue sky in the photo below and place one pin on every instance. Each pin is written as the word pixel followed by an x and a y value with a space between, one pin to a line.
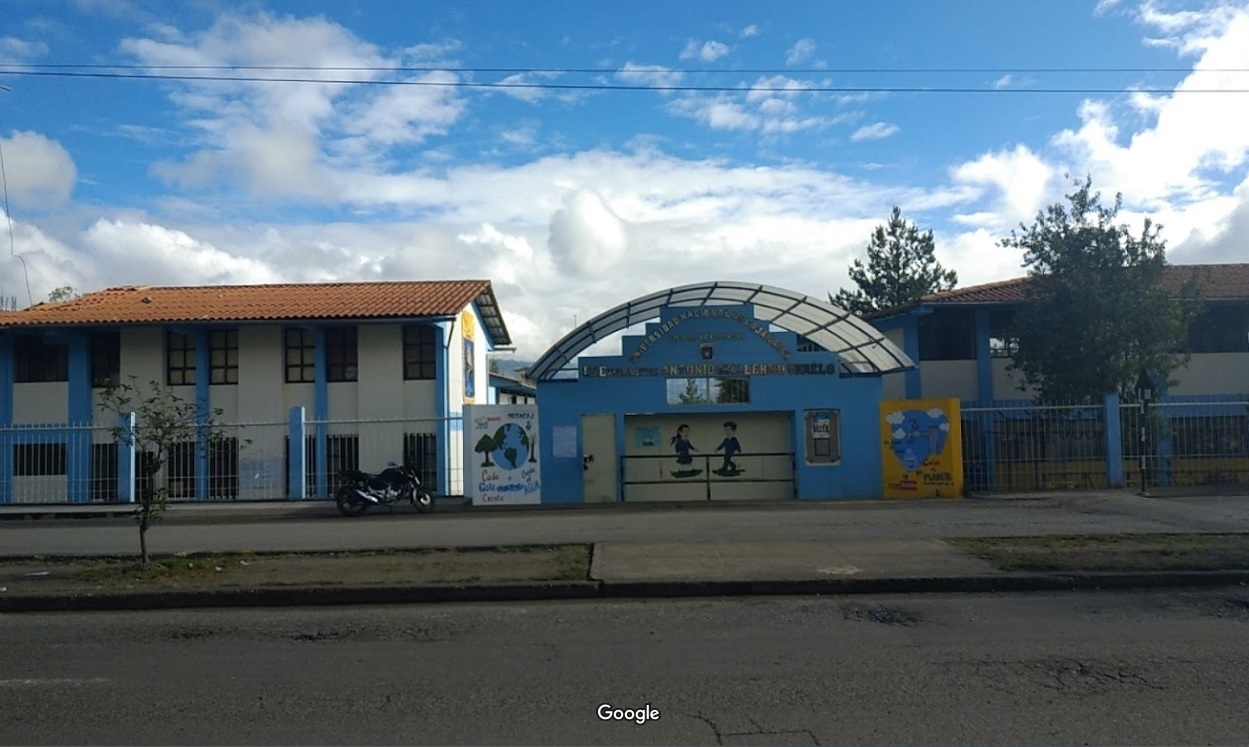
pixel 572 200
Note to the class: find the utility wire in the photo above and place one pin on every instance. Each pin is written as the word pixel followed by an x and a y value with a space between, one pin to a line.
pixel 591 70
pixel 609 86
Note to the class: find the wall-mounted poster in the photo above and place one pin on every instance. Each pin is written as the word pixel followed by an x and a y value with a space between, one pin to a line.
pixel 647 437
pixel 922 448
pixel 468 328
pixel 501 463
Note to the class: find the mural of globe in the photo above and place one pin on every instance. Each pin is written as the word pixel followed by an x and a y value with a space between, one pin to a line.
pixel 511 446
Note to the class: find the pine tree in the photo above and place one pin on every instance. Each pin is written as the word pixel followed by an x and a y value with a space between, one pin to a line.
pixel 901 267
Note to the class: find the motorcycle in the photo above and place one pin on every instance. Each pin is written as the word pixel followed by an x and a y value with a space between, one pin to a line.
pixel 359 491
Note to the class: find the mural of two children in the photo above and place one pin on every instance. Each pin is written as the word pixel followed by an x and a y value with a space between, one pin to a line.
pixel 730 446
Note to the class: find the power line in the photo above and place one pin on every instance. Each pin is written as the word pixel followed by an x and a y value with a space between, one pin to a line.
pixel 594 70
pixel 608 86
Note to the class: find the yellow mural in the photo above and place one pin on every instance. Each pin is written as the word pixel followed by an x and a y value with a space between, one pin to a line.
pixel 468 328
pixel 922 448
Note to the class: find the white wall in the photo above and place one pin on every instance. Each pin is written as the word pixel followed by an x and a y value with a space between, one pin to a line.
pixel 1213 373
pixel 948 379
pixel 1006 384
pixel 41 402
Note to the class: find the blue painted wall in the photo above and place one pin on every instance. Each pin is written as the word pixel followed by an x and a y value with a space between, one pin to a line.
pixel 735 340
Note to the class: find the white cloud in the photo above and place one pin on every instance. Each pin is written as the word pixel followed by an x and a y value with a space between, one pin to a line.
pixel 895 418
pixel 749 31
pixel 1020 176
pixel 709 51
pixel 800 52
pixel 40 172
pixel 875 131
pixel 1105 6
pixel 649 75
pixel 1004 81
pixel 587 238
pixel 15 51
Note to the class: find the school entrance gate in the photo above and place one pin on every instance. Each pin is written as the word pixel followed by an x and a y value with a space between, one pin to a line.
pixel 730 391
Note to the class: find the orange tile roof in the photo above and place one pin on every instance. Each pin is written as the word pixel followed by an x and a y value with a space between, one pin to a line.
pixel 279 302
pixel 1226 282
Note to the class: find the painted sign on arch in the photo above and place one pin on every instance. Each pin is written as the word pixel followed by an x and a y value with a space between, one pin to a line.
pixel 501 461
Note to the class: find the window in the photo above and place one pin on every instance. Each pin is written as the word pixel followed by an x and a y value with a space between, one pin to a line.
pixel 421 449
pixel 948 335
pixel 709 391
pixel 807 346
pixel 179 359
pixel 223 469
pixel 37 360
pixel 39 460
pixel 301 356
pixel 223 362
pixel 105 358
pixel 420 350
pixel 340 354
pixel 1220 329
pixel 344 455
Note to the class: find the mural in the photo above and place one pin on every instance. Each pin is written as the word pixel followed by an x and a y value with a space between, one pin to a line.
pixel 468 328
pixel 681 444
pixel 922 448
pixel 501 454
pixel 730 446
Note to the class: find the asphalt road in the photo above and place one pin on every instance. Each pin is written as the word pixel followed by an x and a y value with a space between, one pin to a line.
pixel 826 522
pixel 1076 668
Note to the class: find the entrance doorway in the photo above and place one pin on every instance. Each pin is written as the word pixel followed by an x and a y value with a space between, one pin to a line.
pixel 598 455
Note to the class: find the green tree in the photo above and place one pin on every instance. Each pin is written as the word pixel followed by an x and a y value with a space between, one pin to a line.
pixel 1096 312
pixel 163 421
pixel 63 293
pixel 732 390
pixel 901 267
pixel 494 366
pixel 694 394
pixel 485 445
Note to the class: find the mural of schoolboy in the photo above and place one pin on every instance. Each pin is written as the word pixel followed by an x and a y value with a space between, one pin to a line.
pixel 730 446
pixel 681 444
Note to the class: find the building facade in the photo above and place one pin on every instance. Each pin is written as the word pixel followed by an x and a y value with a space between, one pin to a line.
pixel 1194 433
pixel 380 370
pixel 730 391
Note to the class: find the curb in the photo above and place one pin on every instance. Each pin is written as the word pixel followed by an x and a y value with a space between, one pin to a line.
pixel 568 590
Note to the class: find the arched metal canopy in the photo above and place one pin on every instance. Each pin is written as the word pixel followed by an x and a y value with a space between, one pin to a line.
pixel 861 347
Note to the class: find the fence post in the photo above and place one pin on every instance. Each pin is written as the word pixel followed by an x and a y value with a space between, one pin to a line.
pixel 1114 441
pixel 126 460
pixel 297 476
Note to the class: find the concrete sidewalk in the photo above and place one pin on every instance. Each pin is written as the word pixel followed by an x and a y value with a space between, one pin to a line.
pixel 624 570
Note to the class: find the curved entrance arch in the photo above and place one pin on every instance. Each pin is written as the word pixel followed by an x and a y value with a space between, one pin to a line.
pixel 861 347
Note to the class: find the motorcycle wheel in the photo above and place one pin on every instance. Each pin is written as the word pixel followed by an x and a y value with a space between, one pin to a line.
pixel 349 504
pixel 423 501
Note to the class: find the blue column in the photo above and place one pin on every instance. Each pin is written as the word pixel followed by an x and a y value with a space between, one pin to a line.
pixel 321 411
pixel 442 405
pixel 1114 442
pixel 297 469
pixel 6 417
pixel 910 346
pixel 984 360
pixel 202 409
pixel 126 461
pixel 81 418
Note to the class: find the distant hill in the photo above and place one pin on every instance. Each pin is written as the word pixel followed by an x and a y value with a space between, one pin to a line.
pixel 511 365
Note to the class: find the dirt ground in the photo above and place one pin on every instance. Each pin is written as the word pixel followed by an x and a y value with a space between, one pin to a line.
pixel 233 570
pixel 1118 552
